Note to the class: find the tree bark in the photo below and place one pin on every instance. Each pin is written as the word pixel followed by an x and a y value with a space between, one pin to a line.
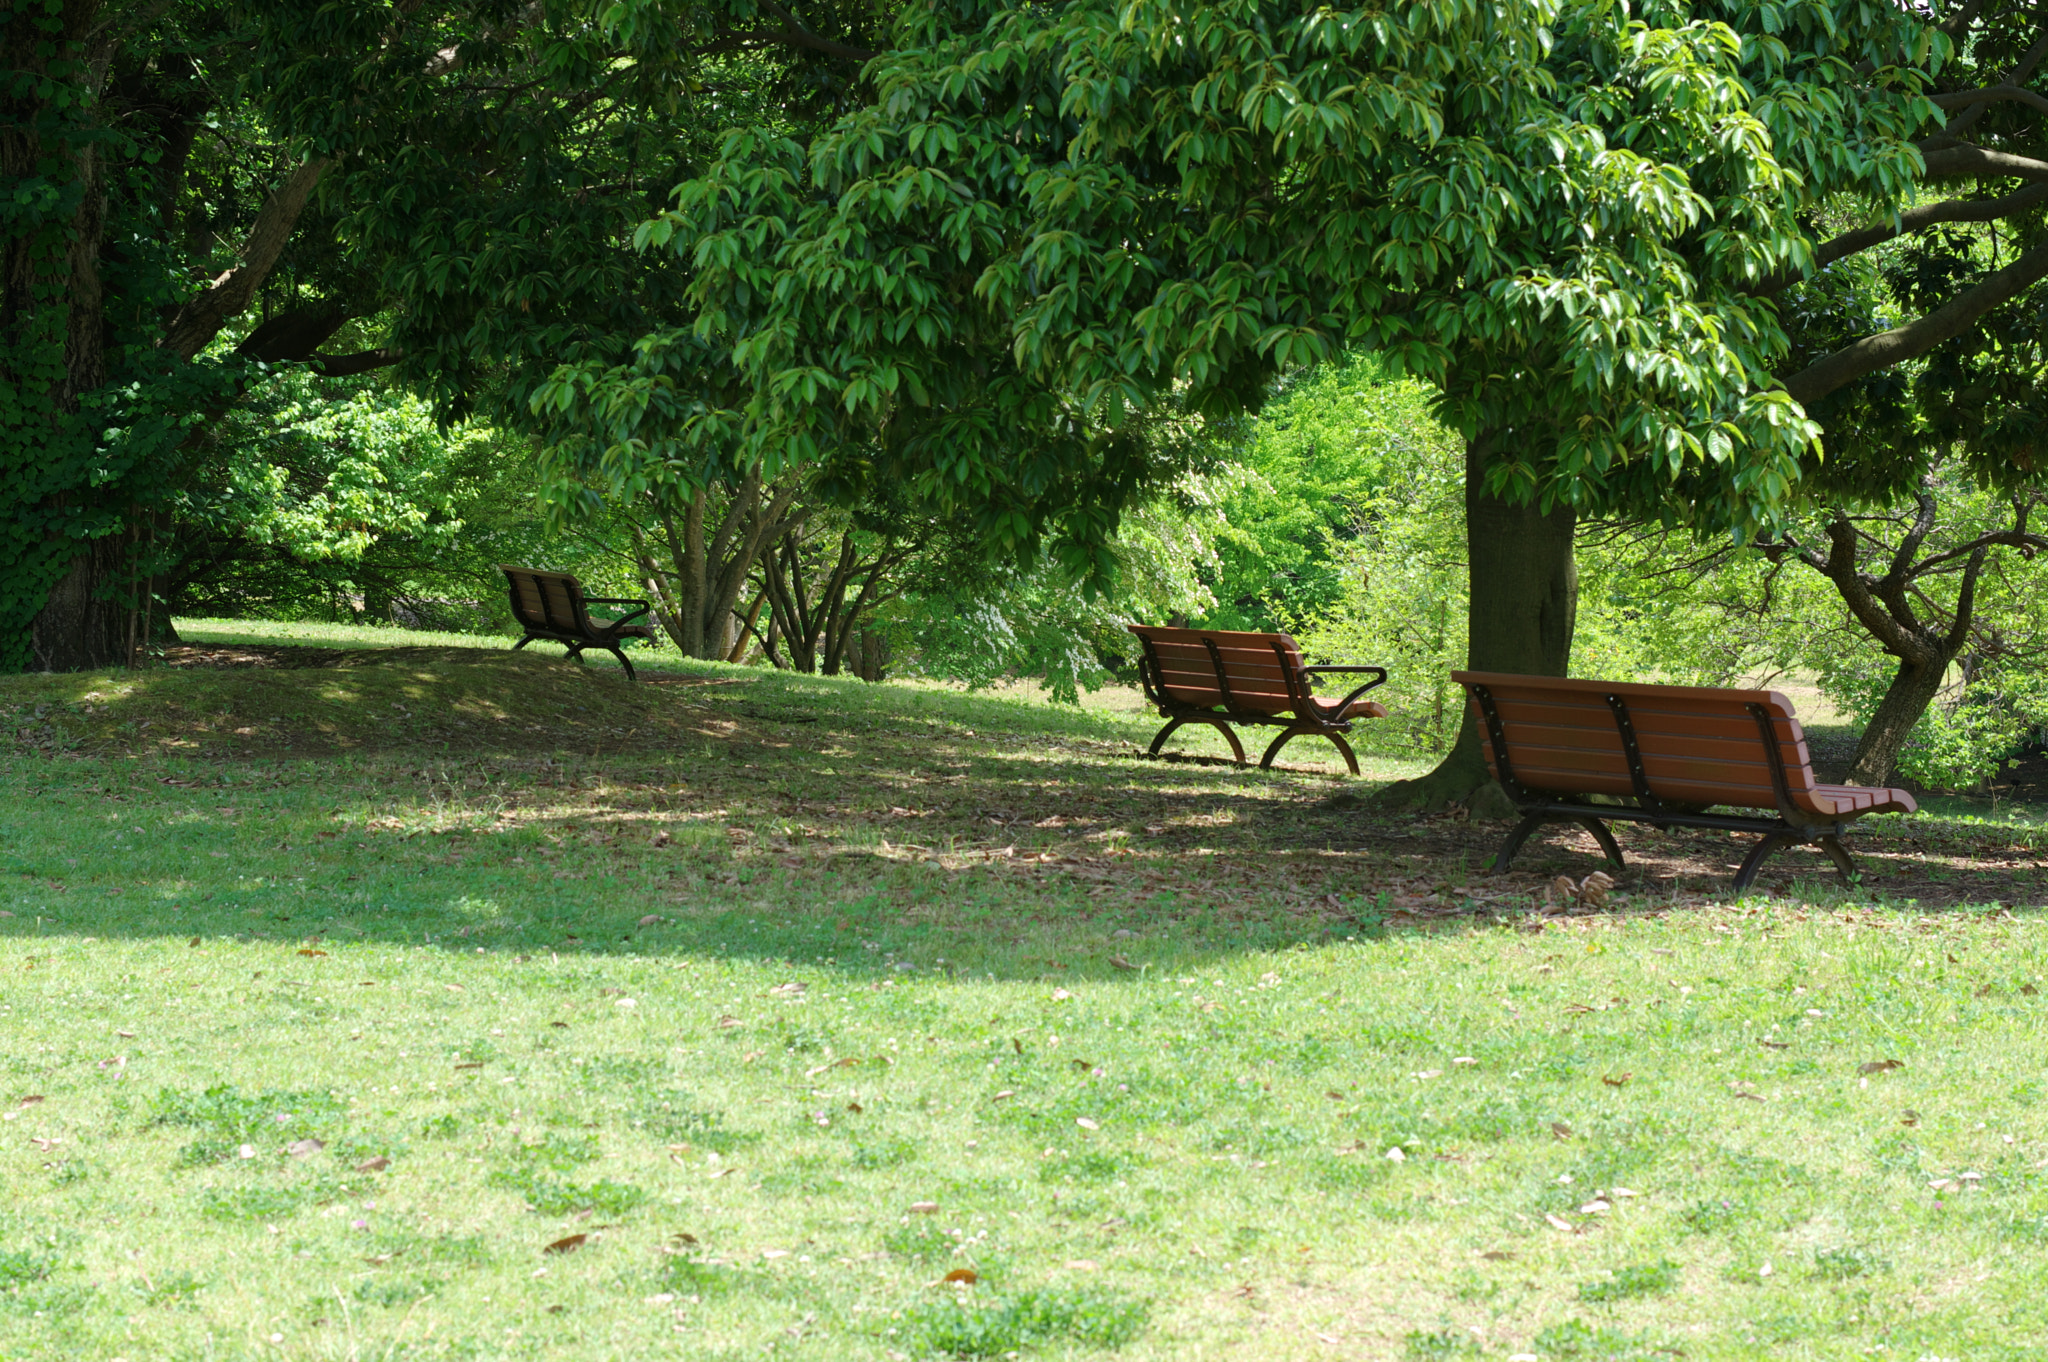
pixel 1914 687
pixel 1524 604
pixel 81 625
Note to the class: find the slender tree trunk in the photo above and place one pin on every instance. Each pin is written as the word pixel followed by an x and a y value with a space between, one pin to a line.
pixel 1914 687
pixel 1524 603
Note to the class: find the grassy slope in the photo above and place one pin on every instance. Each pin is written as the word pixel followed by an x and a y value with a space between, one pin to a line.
pixel 787 957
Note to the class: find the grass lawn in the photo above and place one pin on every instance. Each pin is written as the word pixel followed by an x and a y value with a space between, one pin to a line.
pixel 434 1002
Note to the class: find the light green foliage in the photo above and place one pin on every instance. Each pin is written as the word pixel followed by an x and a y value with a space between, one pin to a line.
pixel 1050 624
pixel 1405 583
pixel 1322 453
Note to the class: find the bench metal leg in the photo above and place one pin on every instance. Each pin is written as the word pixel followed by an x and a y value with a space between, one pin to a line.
pixel 1513 844
pixel 1159 740
pixel 524 641
pixel 1756 858
pixel 1605 838
pixel 1288 735
pixel 620 654
pixel 1839 854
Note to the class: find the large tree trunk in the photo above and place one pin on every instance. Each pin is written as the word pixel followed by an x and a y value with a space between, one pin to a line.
pixel 1524 603
pixel 84 625
pixel 1912 690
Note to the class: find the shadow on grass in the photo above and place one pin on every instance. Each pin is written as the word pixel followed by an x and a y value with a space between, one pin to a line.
pixel 889 830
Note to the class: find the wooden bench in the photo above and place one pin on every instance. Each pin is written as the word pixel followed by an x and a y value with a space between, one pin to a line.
pixel 1675 751
pixel 1223 677
pixel 552 606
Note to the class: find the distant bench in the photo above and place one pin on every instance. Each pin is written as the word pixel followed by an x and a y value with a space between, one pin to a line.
pixel 1222 677
pixel 1674 750
pixel 551 606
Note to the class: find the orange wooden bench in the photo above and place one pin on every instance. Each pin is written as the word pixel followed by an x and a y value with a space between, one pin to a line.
pixel 1222 677
pixel 552 606
pixel 1675 750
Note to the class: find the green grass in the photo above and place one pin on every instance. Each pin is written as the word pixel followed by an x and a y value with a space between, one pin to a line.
pixel 799 995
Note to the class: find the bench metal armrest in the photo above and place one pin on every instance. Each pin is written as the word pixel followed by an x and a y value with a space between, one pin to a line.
pixel 1379 679
pixel 624 619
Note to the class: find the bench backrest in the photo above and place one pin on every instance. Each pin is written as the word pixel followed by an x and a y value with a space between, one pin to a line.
pixel 551 602
pixel 1264 671
pixel 1696 744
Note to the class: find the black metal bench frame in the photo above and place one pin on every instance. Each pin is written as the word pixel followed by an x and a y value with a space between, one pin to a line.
pixel 1792 826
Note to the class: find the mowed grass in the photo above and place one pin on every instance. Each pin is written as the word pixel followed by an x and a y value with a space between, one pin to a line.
pixel 742 1035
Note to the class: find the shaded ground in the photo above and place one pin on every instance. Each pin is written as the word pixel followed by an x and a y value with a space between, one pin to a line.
pixel 811 775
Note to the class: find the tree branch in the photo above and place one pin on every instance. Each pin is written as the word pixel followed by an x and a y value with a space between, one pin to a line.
pixel 1901 343
pixel 201 319
pixel 799 36
pixel 1856 593
pixel 1969 161
pixel 1912 220
pixel 361 362
pixel 1962 99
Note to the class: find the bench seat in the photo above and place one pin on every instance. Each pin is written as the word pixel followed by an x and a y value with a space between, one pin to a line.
pixel 552 606
pixel 1222 677
pixel 1673 752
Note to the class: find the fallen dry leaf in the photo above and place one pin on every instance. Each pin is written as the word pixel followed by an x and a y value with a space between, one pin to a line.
pixel 1775 1044
pixel 32 1099
pixel 1498 1256
pixel 788 990
pixel 1880 1066
pixel 651 920
pixel 727 1023
pixel 306 1148
pixel 1060 995
pixel 125 1035
pixel 1087 1123
pixel 1617 1080
pixel 1120 963
pixel 376 1165
pixel 924 1208
pixel 309 951
pixel 1559 1130
pixel 1558 1222
pixel 962 1276
pixel 567 1244
pixel 1082 1265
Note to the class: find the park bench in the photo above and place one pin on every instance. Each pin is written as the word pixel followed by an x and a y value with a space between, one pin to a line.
pixel 1676 751
pixel 1223 677
pixel 552 606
